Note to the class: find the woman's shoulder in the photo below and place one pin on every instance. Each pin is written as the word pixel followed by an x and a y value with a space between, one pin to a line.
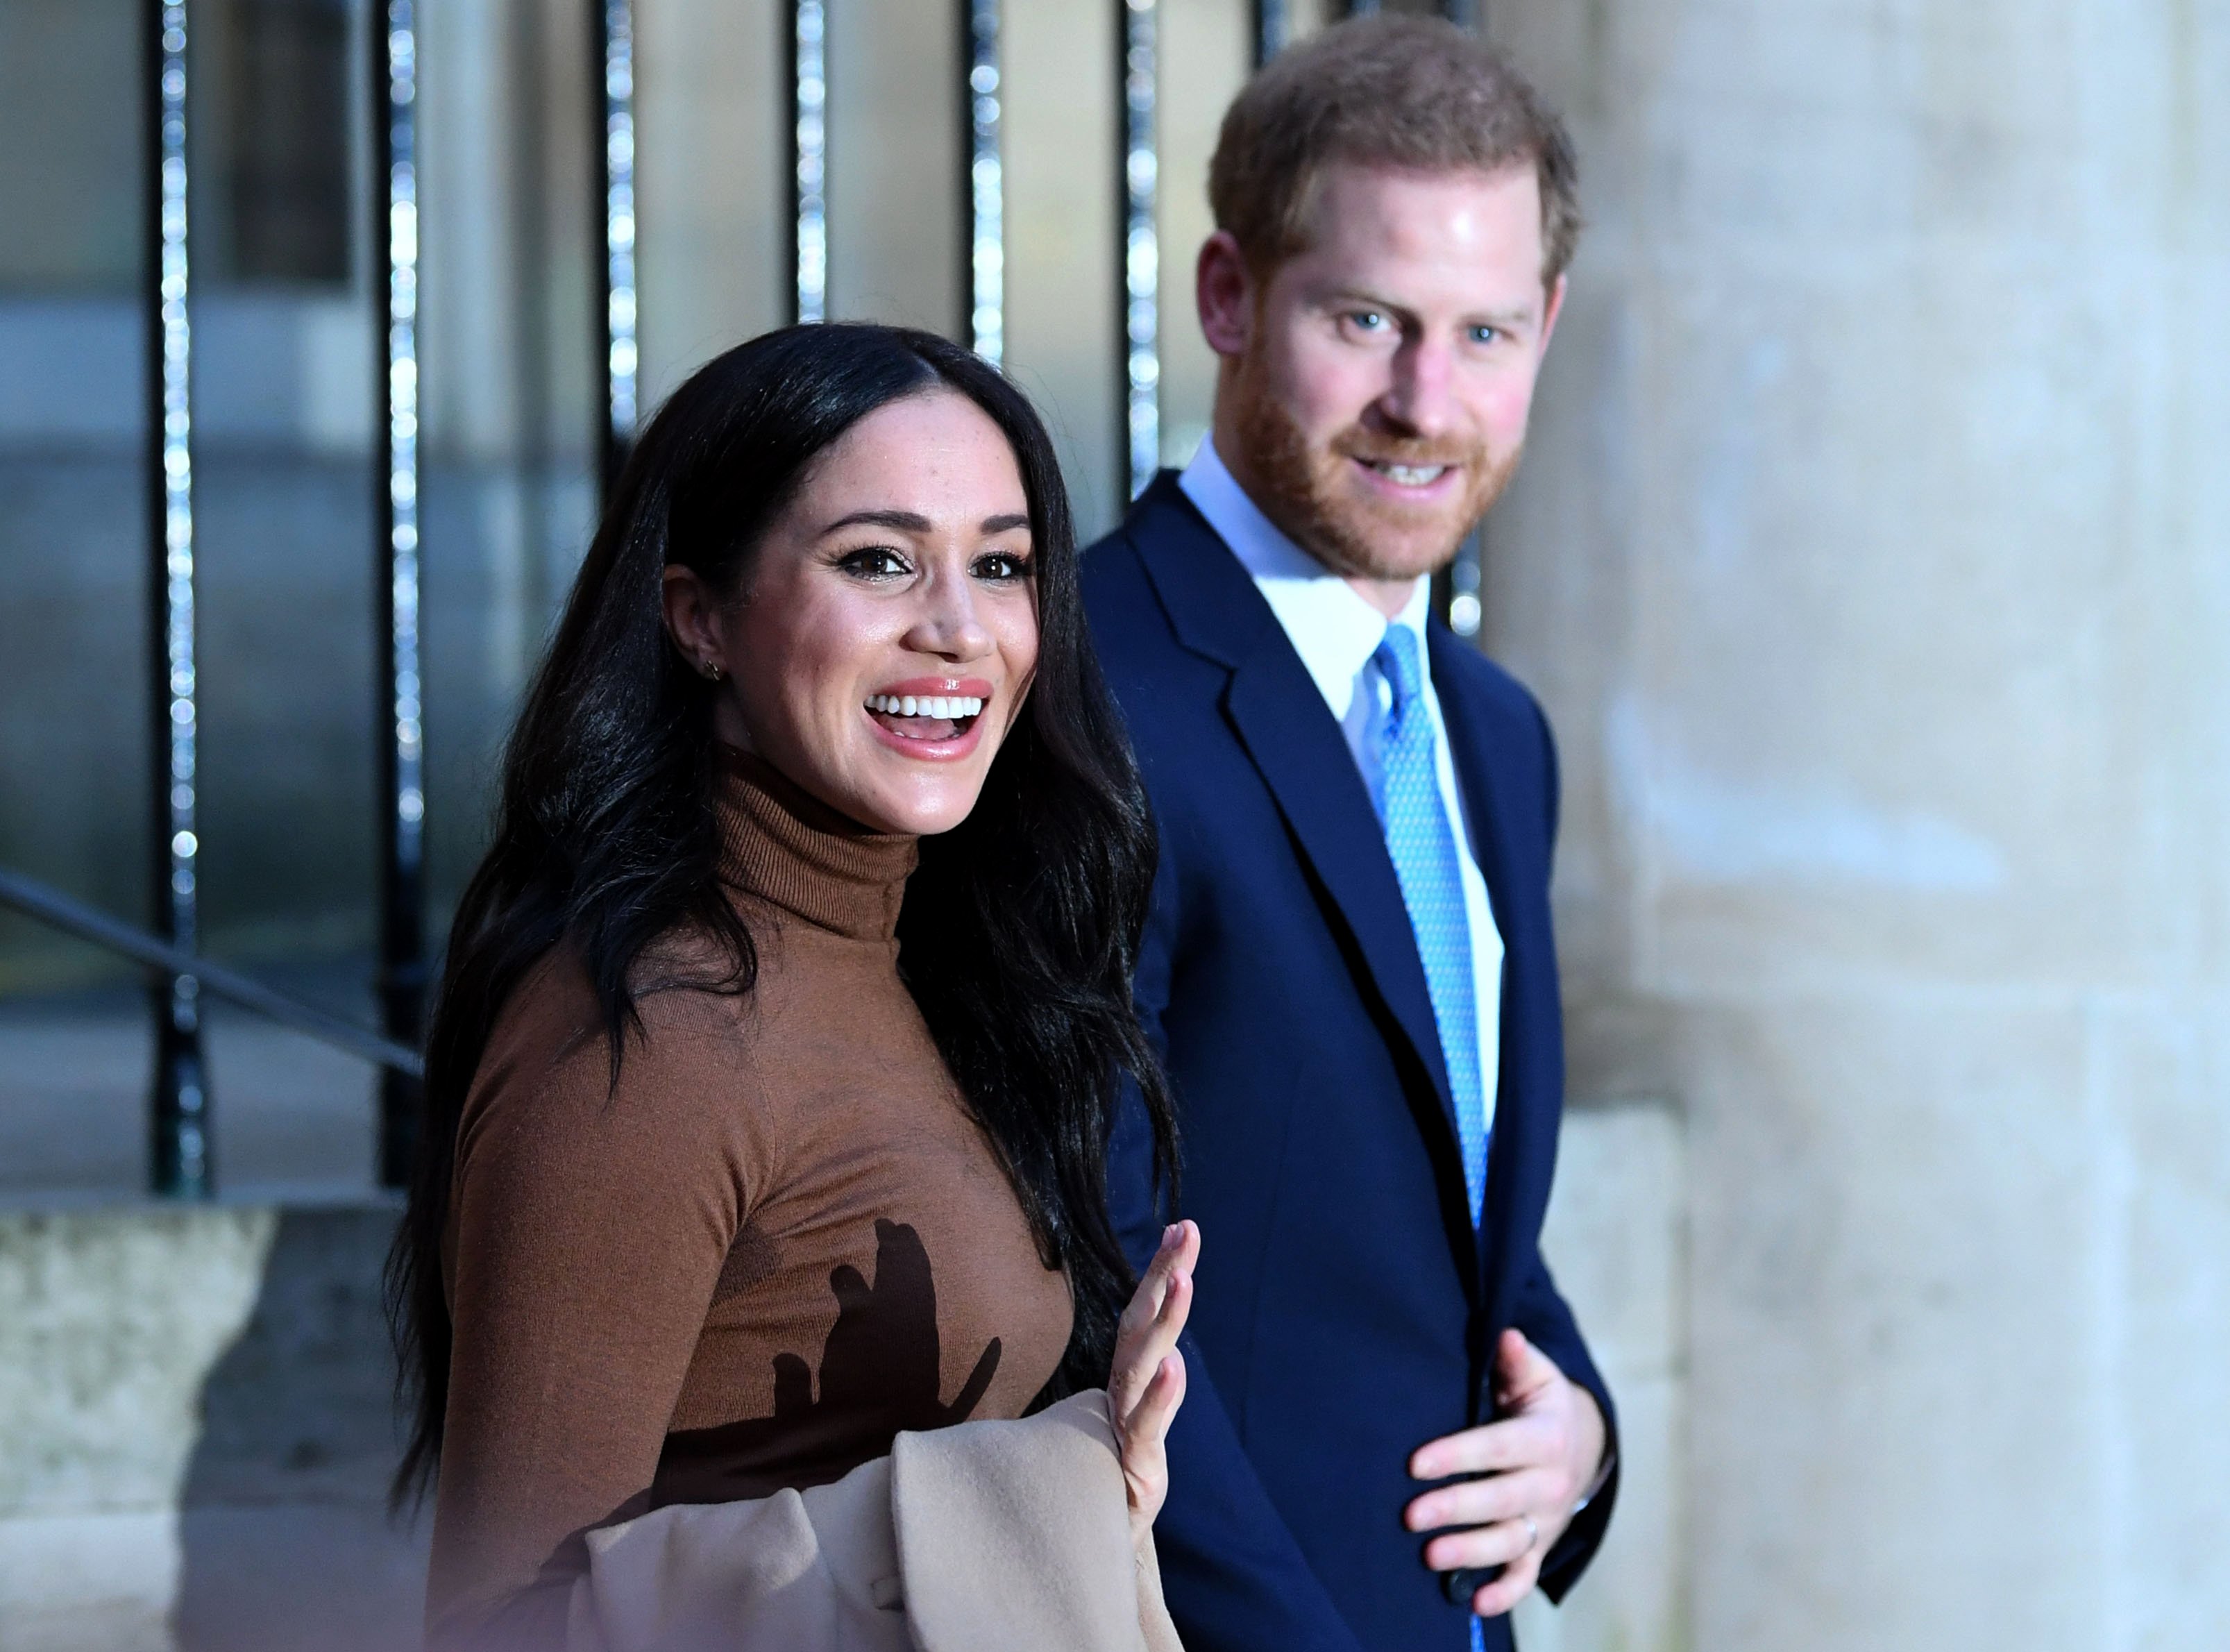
pixel 557 1108
pixel 687 1030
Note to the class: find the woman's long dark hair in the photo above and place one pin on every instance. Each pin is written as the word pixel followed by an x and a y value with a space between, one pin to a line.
pixel 1019 928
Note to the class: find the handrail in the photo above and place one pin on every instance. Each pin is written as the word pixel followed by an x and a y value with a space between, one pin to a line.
pixel 51 906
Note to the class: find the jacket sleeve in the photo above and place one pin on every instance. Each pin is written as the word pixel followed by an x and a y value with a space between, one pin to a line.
pixel 1546 1320
pixel 1234 1574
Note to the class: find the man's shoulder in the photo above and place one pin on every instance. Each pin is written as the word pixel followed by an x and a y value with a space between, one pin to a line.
pixel 1460 665
pixel 1155 582
pixel 1132 631
pixel 1114 575
pixel 1497 717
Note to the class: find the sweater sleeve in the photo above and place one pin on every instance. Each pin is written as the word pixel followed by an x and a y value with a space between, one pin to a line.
pixel 588 1223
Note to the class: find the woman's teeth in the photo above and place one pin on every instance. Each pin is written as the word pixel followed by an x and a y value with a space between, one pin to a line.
pixel 951 707
pixel 1410 475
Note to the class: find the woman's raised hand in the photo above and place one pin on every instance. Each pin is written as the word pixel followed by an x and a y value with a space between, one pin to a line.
pixel 1147 1383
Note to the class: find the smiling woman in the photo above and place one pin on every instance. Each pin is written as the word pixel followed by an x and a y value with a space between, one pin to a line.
pixel 772 1076
pixel 889 608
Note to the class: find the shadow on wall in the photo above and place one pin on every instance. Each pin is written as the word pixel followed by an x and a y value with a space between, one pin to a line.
pixel 285 1543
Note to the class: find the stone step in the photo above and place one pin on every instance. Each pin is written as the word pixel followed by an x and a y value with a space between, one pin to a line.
pixel 288 1114
pixel 196 1432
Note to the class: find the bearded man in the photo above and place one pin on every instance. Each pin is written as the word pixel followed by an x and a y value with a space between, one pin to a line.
pixel 1394 1429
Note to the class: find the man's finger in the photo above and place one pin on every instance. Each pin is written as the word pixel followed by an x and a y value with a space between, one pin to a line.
pixel 1500 1544
pixel 1515 1583
pixel 1480 1502
pixel 1514 1443
pixel 1521 1367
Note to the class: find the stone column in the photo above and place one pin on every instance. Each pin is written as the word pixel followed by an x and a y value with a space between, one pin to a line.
pixel 1871 558
pixel 1061 173
pixel 712 158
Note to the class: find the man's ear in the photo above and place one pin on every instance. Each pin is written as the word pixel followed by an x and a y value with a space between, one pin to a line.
pixel 689 622
pixel 1555 309
pixel 1223 287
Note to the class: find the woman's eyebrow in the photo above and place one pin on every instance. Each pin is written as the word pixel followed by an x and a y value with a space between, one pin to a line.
pixel 912 522
pixel 901 521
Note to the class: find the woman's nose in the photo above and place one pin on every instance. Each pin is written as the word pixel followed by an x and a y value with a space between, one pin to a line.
pixel 948 624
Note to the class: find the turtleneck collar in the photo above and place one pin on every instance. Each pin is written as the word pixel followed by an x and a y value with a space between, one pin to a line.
pixel 796 853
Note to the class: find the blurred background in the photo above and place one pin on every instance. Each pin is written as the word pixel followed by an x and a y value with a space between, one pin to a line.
pixel 1872 556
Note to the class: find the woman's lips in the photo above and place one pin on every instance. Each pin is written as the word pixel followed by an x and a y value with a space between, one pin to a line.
pixel 932 718
pixel 933 738
pixel 969 687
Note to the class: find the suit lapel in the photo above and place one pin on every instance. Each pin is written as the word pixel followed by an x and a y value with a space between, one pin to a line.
pixel 1276 709
pixel 1470 745
pixel 1305 762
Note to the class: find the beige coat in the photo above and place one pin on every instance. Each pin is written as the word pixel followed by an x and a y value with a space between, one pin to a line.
pixel 987 1537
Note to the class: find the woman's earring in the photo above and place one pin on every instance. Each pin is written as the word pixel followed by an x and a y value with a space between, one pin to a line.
pixel 712 671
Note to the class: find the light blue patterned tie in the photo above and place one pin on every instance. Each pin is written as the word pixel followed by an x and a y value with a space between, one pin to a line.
pixel 1422 841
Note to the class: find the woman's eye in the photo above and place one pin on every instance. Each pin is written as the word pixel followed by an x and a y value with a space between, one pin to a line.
pixel 873 562
pixel 1002 564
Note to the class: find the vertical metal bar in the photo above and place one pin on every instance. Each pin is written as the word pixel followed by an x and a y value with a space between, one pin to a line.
pixel 181 1160
pixel 1141 250
pixel 1460 595
pixel 614 59
pixel 403 969
pixel 1457 593
pixel 809 156
pixel 986 186
pixel 1274 27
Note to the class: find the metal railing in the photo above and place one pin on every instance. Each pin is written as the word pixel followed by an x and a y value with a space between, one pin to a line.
pixel 403 969
pixel 181 1157
pixel 181 1098
pixel 169 963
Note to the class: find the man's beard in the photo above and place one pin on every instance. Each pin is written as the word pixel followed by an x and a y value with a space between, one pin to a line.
pixel 1307 493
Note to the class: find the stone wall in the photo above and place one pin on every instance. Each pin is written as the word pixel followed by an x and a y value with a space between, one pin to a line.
pixel 1873 559
pixel 196 1435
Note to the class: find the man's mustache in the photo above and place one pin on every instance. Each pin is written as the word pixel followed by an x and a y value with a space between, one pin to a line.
pixel 1371 447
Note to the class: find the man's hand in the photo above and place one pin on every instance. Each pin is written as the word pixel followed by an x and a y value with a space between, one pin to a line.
pixel 1538 1462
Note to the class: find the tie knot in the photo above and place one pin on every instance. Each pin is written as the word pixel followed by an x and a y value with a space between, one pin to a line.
pixel 1396 659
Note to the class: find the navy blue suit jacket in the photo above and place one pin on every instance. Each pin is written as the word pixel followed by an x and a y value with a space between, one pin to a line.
pixel 1347 1309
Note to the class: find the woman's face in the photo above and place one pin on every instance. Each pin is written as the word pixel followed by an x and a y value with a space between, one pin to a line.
pixel 888 626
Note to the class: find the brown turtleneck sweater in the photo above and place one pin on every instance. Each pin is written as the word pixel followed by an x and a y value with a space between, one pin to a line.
pixel 778 1243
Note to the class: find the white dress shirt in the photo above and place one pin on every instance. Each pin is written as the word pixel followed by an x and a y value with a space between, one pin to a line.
pixel 1335 631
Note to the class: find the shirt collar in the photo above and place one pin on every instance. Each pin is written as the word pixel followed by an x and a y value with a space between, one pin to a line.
pixel 1331 626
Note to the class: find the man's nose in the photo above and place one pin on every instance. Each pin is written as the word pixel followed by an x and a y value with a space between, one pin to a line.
pixel 1422 398
pixel 948 624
